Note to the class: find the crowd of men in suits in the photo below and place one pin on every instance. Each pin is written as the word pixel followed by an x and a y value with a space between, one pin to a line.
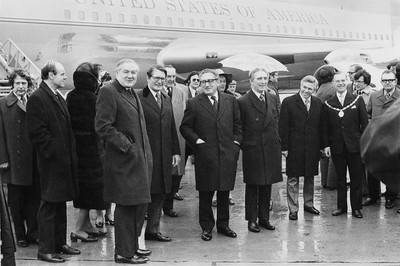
pixel 149 134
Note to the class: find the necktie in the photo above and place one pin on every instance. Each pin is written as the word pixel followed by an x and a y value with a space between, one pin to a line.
pixel 196 93
pixel 158 99
pixel 341 99
pixel 387 96
pixel 307 104
pixel 170 92
pixel 262 97
pixel 215 103
pixel 23 101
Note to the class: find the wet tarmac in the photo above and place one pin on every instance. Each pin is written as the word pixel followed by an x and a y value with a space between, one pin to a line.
pixel 316 240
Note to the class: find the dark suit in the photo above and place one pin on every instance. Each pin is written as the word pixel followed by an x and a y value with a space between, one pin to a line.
pixel 164 143
pixel 216 159
pixel 300 132
pixel 262 159
pixel 128 162
pixel 377 105
pixel 21 179
pixel 50 130
pixel 343 134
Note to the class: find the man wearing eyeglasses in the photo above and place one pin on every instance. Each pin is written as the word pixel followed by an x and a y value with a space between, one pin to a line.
pixel 211 125
pixel 378 103
pixel 164 143
pixel 353 69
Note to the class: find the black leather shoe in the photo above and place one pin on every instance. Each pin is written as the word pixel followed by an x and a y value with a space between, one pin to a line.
pixel 134 260
pixel 293 216
pixel 177 196
pixel 253 227
pixel 206 235
pixel 338 212
pixel 157 236
pixel 311 210
pixel 227 232
pixel 65 249
pixel 96 234
pixel 74 238
pixel 389 204
pixel 52 258
pixel 23 243
pixel 143 252
pixel 171 213
pixel 369 201
pixel 357 214
pixel 267 225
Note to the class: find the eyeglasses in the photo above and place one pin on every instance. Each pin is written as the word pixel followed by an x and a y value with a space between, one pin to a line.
pixel 388 80
pixel 195 80
pixel 158 79
pixel 204 82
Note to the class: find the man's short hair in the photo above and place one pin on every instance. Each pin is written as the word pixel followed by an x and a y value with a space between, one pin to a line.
pixel 251 73
pixel 23 74
pixel 124 61
pixel 365 74
pixel 49 66
pixel 150 72
pixel 208 70
pixel 169 66
pixel 310 79
pixel 188 79
pixel 339 73
pixel 388 72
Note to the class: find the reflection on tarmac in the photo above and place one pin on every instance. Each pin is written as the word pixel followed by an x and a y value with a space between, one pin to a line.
pixel 316 240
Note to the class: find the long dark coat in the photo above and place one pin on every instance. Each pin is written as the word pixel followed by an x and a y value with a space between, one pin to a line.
pixel 300 133
pixel 15 145
pixel 50 130
pixel 262 158
pixel 216 159
pixel 128 161
pixel 346 130
pixel 81 102
pixel 164 143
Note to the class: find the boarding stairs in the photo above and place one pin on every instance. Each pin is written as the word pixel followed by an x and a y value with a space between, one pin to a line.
pixel 12 57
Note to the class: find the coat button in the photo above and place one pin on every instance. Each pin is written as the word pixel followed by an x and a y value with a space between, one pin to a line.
pixel 18 152
pixel 18 137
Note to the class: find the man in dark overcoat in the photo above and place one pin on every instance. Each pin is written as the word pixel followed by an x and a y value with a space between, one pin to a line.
pixel 50 131
pixel 345 118
pixel 161 130
pixel 16 158
pixel 211 125
pixel 262 159
pixel 378 103
pixel 300 131
pixel 128 160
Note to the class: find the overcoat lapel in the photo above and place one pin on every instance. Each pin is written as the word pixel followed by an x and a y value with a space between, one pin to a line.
pixel 223 104
pixel 257 103
pixel 150 101
pixel 126 94
pixel 301 104
pixel 12 99
pixel 206 104
pixel 60 102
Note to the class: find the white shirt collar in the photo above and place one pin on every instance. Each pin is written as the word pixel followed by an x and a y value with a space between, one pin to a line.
pixel 341 95
pixel 192 91
pixel 258 93
pixel 216 95
pixel 303 99
pixel 154 93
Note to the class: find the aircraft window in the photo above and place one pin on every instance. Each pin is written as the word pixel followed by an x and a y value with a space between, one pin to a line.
pixel 251 27
pixel 121 18
pixel 81 15
pixel 241 26
pixel 191 22
pixel 387 37
pixel 202 24
pixel 301 31
pixel 108 17
pixel 350 34
pixel 316 32
pixel 212 24
pixel 344 34
pixel 221 25
pixel 146 20
pixel 337 34
pixel 158 20
pixel 169 21
pixel 330 33
pixel 259 28
pixel 95 16
pixel 363 35
pixel 277 28
pixel 293 30
pixel 382 37
pixel 369 36
pixel 357 35
pixel 376 36
pixel 323 32
pixel 268 28
pixel 67 14
pixel 284 29
pixel 232 26
pixel 134 19
pixel 180 22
